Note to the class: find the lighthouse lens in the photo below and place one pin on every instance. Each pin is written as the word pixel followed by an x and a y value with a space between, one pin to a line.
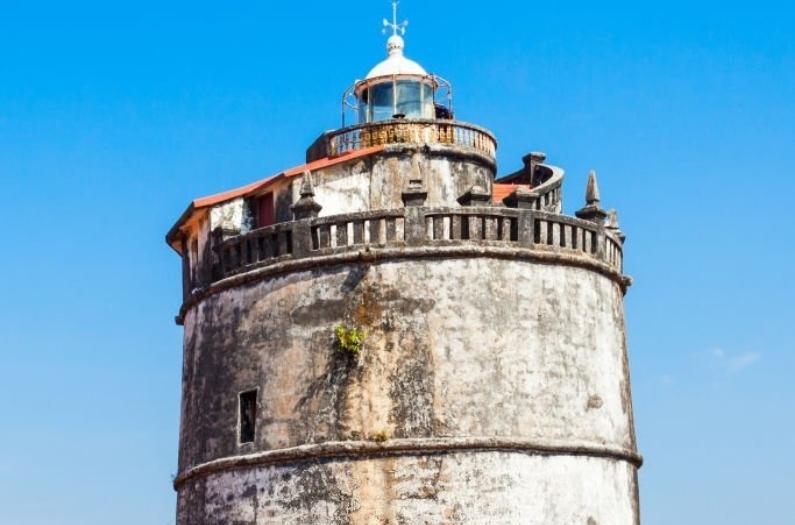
pixel 409 100
pixel 382 101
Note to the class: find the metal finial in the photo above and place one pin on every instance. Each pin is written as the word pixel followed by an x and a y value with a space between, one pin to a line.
pixel 394 25
pixel 592 189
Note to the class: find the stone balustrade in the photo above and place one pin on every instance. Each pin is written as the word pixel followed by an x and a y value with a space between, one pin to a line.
pixel 402 230
pixel 550 193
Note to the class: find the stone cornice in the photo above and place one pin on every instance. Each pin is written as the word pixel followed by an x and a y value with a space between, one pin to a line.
pixel 374 255
pixel 399 447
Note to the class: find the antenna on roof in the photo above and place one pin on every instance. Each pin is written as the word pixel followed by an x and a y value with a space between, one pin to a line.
pixel 394 25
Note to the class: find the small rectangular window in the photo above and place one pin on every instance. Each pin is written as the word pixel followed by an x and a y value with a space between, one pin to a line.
pixel 248 416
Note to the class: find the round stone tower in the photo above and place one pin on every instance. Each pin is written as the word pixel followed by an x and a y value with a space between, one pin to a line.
pixel 387 335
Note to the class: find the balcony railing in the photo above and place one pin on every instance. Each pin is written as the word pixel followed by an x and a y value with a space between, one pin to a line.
pixel 418 227
pixel 411 132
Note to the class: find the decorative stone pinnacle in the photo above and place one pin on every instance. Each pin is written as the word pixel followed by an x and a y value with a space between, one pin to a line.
pixel 592 189
pixel 593 210
pixel 307 186
pixel 612 225
pixel 612 219
pixel 306 207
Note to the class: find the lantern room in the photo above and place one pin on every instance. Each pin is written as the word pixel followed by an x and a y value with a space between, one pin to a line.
pixel 397 88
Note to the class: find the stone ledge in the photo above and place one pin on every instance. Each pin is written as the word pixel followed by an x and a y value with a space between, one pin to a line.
pixel 397 447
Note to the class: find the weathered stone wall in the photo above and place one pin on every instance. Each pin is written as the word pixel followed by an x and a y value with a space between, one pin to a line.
pixel 232 215
pixel 491 487
pixel 376 182
pixel 528 355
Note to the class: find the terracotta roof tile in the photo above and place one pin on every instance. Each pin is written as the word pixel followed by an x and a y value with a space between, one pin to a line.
pixel 325 162
pixel 500 191
pixel 248 189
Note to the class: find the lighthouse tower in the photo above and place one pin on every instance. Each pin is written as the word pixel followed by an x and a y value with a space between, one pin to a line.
pixel 389 333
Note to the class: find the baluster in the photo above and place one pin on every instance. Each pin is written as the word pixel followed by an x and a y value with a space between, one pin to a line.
pixel 243 244
pixel 599 245
pixel 358 232
pixel 273 245
pixel 390 228
pixel 490 228
pixel 554 234
pixel 251 247
pixel 510 229
pixel 438 227
pixel 400 229
pixel 324 236
pixel 255 249
pixel 223 260
pixel 475 227
pixel 342 234
pixel 375 231
pixel 455 227
pixel 541 231
pixel 281 243
pixel 231 262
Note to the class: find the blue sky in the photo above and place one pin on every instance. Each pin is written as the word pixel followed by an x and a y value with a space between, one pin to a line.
pixel 114 115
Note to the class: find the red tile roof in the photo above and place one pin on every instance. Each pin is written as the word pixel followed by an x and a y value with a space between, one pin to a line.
pixel 325 162
pixel 212 200
pixel 500 191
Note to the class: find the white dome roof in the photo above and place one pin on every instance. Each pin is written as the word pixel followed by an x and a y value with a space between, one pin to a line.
pixel 396 63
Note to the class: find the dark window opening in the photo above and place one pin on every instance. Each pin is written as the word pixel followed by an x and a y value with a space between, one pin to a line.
pixel 248 416
pixel 265 211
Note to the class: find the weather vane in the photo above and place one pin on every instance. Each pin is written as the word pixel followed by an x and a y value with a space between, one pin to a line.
pixel 394 25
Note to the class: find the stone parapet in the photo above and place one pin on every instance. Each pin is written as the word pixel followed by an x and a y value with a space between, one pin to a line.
pixel 419 232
